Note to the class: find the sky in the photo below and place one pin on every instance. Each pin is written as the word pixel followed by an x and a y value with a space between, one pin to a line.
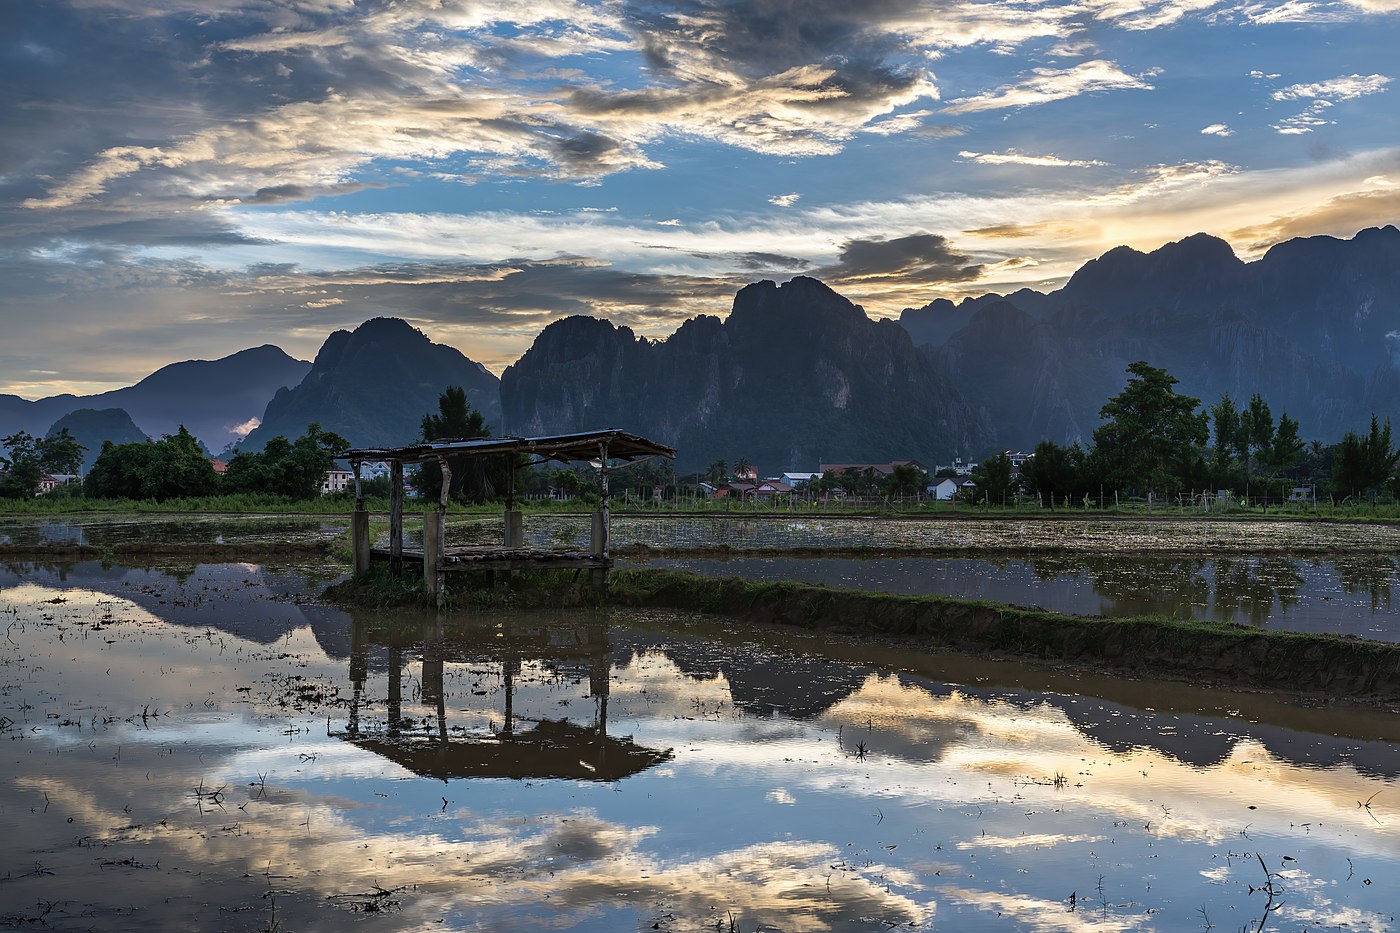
pixel 183 179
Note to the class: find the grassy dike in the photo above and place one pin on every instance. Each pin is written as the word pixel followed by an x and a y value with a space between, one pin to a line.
pixel 1228 654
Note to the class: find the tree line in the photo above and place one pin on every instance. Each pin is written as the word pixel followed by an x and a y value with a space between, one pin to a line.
pixel 1157 441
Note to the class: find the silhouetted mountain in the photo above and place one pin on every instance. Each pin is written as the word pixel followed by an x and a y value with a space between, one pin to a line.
pixel 373 386
pixel 1313 326
pixel 795 375
pixel 211 398
pixel 92 427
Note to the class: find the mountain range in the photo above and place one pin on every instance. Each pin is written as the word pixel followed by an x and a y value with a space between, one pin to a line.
pixel 796 374
pixel 1313 327
pixel 214 399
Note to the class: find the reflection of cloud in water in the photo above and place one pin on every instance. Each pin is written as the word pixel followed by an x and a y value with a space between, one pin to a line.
pixel 1042 915
pixel 575 863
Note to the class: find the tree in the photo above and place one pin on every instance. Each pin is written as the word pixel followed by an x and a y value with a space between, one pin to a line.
pixel 1362 464
pixel 1256 434
pixel 473 478
pixel 295 469
pixel 905 478
pixel 994 479
pixel 1286 450
pixel 717 472
pixel 1225 420
pixel 1049 472
pixel 176 466
pixel 742 469
pixel 1152 433
pixel 28 458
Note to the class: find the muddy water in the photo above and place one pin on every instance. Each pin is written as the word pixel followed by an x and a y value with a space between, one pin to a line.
pixel 204 748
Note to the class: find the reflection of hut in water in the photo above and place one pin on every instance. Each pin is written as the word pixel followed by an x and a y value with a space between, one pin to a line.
pixel 519 746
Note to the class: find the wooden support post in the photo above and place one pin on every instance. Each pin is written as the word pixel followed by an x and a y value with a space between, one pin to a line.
pixel 359 540
pixel 515 528
pixel 431 546
pixel 396 519
pixel 359 493
pixel 439 568
pixel 599 534
pixel 602 546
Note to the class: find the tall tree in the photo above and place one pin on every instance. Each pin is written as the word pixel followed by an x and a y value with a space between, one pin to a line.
pixel 1287 448
pixel 1225 422
pixel 473 478
pixel 994 479
pixel 1151 433
pixel 1363 463
pixel 1049 472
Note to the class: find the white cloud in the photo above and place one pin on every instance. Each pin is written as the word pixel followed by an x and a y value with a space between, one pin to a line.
pixel 1348 87
pixel 1012 157
pixel 1049 84
pixel 785 200
pixel 1217 129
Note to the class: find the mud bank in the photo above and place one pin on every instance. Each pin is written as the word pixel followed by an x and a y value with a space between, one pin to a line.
pixel 1334 666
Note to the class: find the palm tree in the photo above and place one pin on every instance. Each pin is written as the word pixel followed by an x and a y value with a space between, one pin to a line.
pixel 743 468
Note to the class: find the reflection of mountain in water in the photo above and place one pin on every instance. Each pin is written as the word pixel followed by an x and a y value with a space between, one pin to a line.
pixel 253 603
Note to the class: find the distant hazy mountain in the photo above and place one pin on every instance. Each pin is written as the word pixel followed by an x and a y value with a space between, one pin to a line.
pixel 794 376
pixel 1313 326
pixel 373 386
pixel 92 427
pixel 212 398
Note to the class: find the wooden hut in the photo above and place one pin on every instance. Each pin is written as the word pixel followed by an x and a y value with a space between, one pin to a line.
pixel 599 448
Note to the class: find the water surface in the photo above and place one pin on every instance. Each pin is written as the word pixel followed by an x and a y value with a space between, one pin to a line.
pixel 202 747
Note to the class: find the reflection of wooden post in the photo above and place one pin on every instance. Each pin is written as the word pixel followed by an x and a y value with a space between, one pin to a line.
pixel 359 669
pixel 395 689
pixel 359 540
pixel 396 519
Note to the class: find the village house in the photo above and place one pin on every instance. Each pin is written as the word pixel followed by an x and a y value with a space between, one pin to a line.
pixel 948 487
pixel 772 488
pixel 51 481
pixel 799 479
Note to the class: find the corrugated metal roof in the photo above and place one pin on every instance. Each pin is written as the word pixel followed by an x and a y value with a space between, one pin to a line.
pixel 564 448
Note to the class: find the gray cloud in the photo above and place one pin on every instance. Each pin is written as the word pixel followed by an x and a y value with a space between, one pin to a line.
pixel 919 258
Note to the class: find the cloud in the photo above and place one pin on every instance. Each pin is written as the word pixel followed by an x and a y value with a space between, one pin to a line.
pixel 1339 216
pixel 1217 129
pixel 1012 157
pixel 915 259
pixel 1347 87
pixel 1049 84
pixel 784 200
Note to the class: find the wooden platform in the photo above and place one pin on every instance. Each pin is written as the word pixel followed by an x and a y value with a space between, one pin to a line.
pixel 496 557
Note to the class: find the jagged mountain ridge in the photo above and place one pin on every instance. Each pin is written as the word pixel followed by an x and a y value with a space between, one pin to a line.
pixel 1313 326
pixel 795 375
pixel 211 398
pixel 373 385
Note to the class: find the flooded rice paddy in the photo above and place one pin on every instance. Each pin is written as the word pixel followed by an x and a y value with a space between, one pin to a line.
pixel 206 747
pixel 1352 594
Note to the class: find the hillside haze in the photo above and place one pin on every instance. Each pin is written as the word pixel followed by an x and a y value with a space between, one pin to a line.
pixel 213 399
